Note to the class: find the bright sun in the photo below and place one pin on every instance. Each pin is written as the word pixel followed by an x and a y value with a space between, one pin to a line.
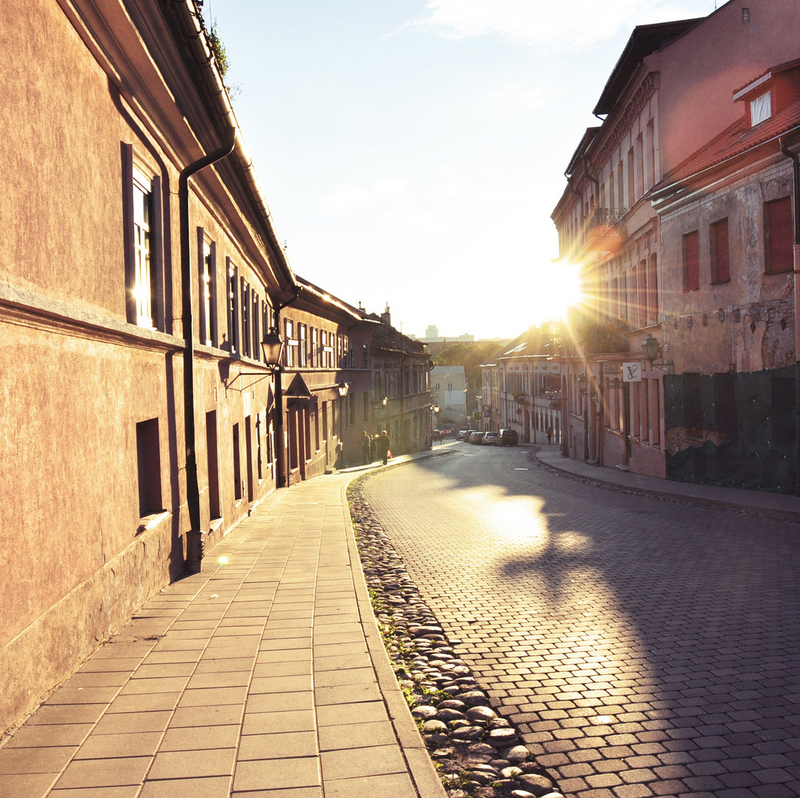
pixel 554 288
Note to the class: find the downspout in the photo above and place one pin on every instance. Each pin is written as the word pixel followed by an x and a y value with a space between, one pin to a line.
pixel 194 540
pixel 796 274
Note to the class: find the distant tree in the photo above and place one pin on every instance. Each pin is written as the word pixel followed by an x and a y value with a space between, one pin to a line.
pixel 602 337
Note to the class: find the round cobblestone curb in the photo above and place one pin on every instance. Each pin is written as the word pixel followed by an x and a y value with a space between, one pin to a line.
pixel 476 753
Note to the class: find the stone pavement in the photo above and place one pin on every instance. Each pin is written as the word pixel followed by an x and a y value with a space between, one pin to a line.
pixel 265 675
pixel 644 640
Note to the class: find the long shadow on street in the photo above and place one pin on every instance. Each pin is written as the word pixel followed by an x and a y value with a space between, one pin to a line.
pixel 643 646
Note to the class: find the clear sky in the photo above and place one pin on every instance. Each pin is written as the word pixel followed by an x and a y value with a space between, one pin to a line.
pixel 412 152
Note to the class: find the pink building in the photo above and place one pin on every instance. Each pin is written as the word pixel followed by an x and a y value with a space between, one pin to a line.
pixel 668 95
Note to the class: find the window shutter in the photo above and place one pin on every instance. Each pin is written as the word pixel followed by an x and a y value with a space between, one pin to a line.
pixel 778 230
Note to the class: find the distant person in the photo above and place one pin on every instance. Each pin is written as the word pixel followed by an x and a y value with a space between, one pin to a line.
pixel 383 446
pixel 366 448
pixel 549 434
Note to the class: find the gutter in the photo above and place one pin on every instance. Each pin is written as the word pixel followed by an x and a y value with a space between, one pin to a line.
pixel 193 31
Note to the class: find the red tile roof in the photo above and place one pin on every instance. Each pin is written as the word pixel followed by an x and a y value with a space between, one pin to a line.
pixel 735 140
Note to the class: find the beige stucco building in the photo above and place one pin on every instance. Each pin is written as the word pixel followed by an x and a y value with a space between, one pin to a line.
pixel 140 419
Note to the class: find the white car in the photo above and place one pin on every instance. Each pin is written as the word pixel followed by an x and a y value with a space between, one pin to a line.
pixel 489 439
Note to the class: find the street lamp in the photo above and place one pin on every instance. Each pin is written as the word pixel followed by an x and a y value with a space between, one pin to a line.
pixel 343 388
pixel 478 408
pixel 651 348
pixel 272 347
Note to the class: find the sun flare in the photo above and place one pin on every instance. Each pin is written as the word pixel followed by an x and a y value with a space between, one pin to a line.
pixel 555 287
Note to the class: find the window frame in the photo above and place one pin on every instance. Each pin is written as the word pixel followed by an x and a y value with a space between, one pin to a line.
pixel 207 288
pixel 141 184
pixel 783 247
pixel 720 256
pixel 691 270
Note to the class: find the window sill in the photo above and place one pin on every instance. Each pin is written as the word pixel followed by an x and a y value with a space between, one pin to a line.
pixel 148 522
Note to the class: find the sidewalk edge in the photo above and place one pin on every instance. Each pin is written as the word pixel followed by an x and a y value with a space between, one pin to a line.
pixel 789 515
pixel 420 767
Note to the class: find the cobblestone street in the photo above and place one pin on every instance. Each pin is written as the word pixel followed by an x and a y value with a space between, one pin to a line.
pixel 642 646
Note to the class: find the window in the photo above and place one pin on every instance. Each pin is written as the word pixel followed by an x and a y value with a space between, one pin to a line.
pixel 303 353
pixel 213 464
pixel 639 165
pixel 144 288
pixel 237 466
pixel 149 467
pixel 631 178
pixel 246 326
pixel 256 325
pixel 611 193
pixel 720 259
pixel 652 289
pixel 208 290
pixel 760 109
pixel 233 307
pixel 144 300
pixel 778 236
pixel 290 347
pixel 691 262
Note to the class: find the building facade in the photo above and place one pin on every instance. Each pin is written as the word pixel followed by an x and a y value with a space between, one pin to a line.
pixel 143 414
pixel 401 391
pixel 668 96
pixel 449 392
pixel 521 387
pixel 140 269
pixel 728 224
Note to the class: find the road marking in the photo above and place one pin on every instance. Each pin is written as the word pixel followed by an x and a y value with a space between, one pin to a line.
pixel 522 469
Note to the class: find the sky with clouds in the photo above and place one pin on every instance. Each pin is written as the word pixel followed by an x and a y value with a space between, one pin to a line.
pixel 412 152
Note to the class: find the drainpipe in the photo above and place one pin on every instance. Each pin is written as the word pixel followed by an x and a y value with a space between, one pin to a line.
pixel 194 539
pixel 796 273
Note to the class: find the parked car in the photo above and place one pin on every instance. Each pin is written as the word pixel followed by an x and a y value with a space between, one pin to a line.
pixel 489 439
pixel 463 434
pixel 476 437
pixel 507 437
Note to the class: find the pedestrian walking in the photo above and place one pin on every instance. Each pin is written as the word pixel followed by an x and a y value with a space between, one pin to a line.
pixel 366 448
pixel 383 446
pixel 549 433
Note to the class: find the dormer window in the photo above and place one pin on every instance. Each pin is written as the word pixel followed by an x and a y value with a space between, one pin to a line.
pixel 760 108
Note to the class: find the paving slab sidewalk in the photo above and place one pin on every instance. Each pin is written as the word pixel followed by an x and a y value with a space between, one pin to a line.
pixel 265 675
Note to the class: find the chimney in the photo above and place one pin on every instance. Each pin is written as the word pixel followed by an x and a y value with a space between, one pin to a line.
pixel 386 316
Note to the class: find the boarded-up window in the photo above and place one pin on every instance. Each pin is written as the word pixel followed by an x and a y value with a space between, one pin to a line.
pixel 720 258
pixel 691 262
pixel 778 236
